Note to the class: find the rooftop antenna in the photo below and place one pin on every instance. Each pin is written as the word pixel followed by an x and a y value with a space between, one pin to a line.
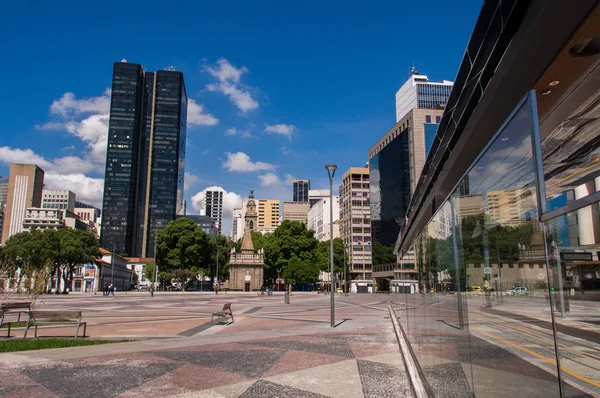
pixel 124 60
pixel 170 67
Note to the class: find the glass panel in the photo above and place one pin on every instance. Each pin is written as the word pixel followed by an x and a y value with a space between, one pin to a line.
pixel 574 242
pixel 482 319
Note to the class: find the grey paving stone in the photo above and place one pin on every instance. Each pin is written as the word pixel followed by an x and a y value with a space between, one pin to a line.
pixel 448 380
pixel 96 380
pixel 382 380
pixel 7 390
pixel 266 389
pixel 474 352
pixel 251 363
pixel 330 347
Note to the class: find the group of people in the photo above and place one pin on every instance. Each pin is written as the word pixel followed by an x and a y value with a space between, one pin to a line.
pixel 108 290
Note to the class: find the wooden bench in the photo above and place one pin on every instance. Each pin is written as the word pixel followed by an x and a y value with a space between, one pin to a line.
pixel 37 318
pixel 225 312
pixel 17 307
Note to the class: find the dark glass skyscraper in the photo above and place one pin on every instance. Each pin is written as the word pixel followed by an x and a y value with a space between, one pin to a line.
pixel 389 172
pixel 301 188
pixel 145 158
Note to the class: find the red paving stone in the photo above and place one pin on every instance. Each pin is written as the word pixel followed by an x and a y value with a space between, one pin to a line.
pixel 292 361
pixel 361 349
pixel 37 392
pixel 11 377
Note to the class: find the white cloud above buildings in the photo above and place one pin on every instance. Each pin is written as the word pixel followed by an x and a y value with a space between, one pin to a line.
pixel 269 179
pixel 240 162
pixel 229 84
pixel 197 117
pixel 190 180
pixel 239 133
pixel 287 130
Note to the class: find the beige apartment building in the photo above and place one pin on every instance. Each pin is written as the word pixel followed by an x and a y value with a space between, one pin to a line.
pixel 268 215
pixel 296 211
pixel 355 221
pixel 25 185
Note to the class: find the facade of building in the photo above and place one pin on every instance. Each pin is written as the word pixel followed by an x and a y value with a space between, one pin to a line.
pixel 268 215
pixel 296 211
pixel 205 223
pixel 43 219
pixel 25 186
pixel 246 268
pixel 419 93
pixel 237 229
pixel 319 218
pixel 355 221
pixel 3 189
pixel 314 195
pixel 301 188
pixel 145 159
pixel 62 199
pixel 514 164
pixel 212 206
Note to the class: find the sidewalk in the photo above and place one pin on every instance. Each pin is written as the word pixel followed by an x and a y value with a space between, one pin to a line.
pixel 358 358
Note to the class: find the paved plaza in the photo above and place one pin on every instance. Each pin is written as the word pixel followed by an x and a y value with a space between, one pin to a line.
pixel 272 349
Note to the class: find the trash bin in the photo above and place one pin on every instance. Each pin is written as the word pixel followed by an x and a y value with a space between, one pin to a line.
pixel 287 297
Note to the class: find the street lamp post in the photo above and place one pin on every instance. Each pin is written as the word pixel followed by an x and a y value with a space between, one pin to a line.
pixel 112 266
pixel 345 274
pixel 217 287
pixel 155 265
pixel 331 173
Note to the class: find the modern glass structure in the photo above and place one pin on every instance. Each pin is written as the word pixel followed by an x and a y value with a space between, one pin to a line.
pixel 213 207
pixel 508 297
pixel 301 188
pixel 145 159
pixel 419 93
pixel 389 174
pixel 3 189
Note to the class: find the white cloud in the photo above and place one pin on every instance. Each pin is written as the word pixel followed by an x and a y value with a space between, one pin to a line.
pixel 50 126
pixel 241 133
pixel 197 117
pixel 241 162
pixel 68 105
pixel 289 179
pixel 68 148
pixel 228 84
pixel 205 152
pixel 190 180
pixel 93 131
pixel 286 130
pixel 269 179
pixel 87 189
pixel 224 71
pixel 10 155
pixel 231 200
pixel 285 150
pixel 72 164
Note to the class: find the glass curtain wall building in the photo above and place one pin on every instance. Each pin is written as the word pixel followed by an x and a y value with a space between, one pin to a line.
pixel 301 188
pixel 510 295
pixel 145 158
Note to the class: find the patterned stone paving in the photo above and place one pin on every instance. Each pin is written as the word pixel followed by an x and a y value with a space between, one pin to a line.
pixel 365 362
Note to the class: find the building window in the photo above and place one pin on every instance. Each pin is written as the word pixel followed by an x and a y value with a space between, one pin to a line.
pixel 438 119
pixel 427 118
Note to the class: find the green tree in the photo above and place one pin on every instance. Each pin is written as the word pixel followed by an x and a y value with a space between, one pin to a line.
pixel 323 257
pixel 75 248
pixel 292 240
pixel 382 254
pixel 181 245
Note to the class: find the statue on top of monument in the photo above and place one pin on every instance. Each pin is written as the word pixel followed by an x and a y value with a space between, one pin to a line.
pixel 252 192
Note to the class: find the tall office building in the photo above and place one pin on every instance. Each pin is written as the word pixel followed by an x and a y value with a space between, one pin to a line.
pixel 25 184
pixel 301 188
pixel 212 206
pixel 268 215
pixel 419 93
pixel 145 159
pixel 355 221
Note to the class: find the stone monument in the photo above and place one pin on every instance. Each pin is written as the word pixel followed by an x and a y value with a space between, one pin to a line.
pixel 246 267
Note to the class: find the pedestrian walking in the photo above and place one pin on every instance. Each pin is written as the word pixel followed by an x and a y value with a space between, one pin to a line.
pixel 487 291
pixel 105 290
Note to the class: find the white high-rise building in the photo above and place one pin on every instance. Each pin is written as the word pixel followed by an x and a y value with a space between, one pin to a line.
pixel 418 92
pixel 314 195
pixel 237 230
pixel 212 206
pixel 319 218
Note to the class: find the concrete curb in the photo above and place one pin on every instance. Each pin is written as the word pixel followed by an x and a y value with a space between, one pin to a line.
pixel 418 385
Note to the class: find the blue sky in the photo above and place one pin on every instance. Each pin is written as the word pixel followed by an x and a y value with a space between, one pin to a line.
pixel 283 87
